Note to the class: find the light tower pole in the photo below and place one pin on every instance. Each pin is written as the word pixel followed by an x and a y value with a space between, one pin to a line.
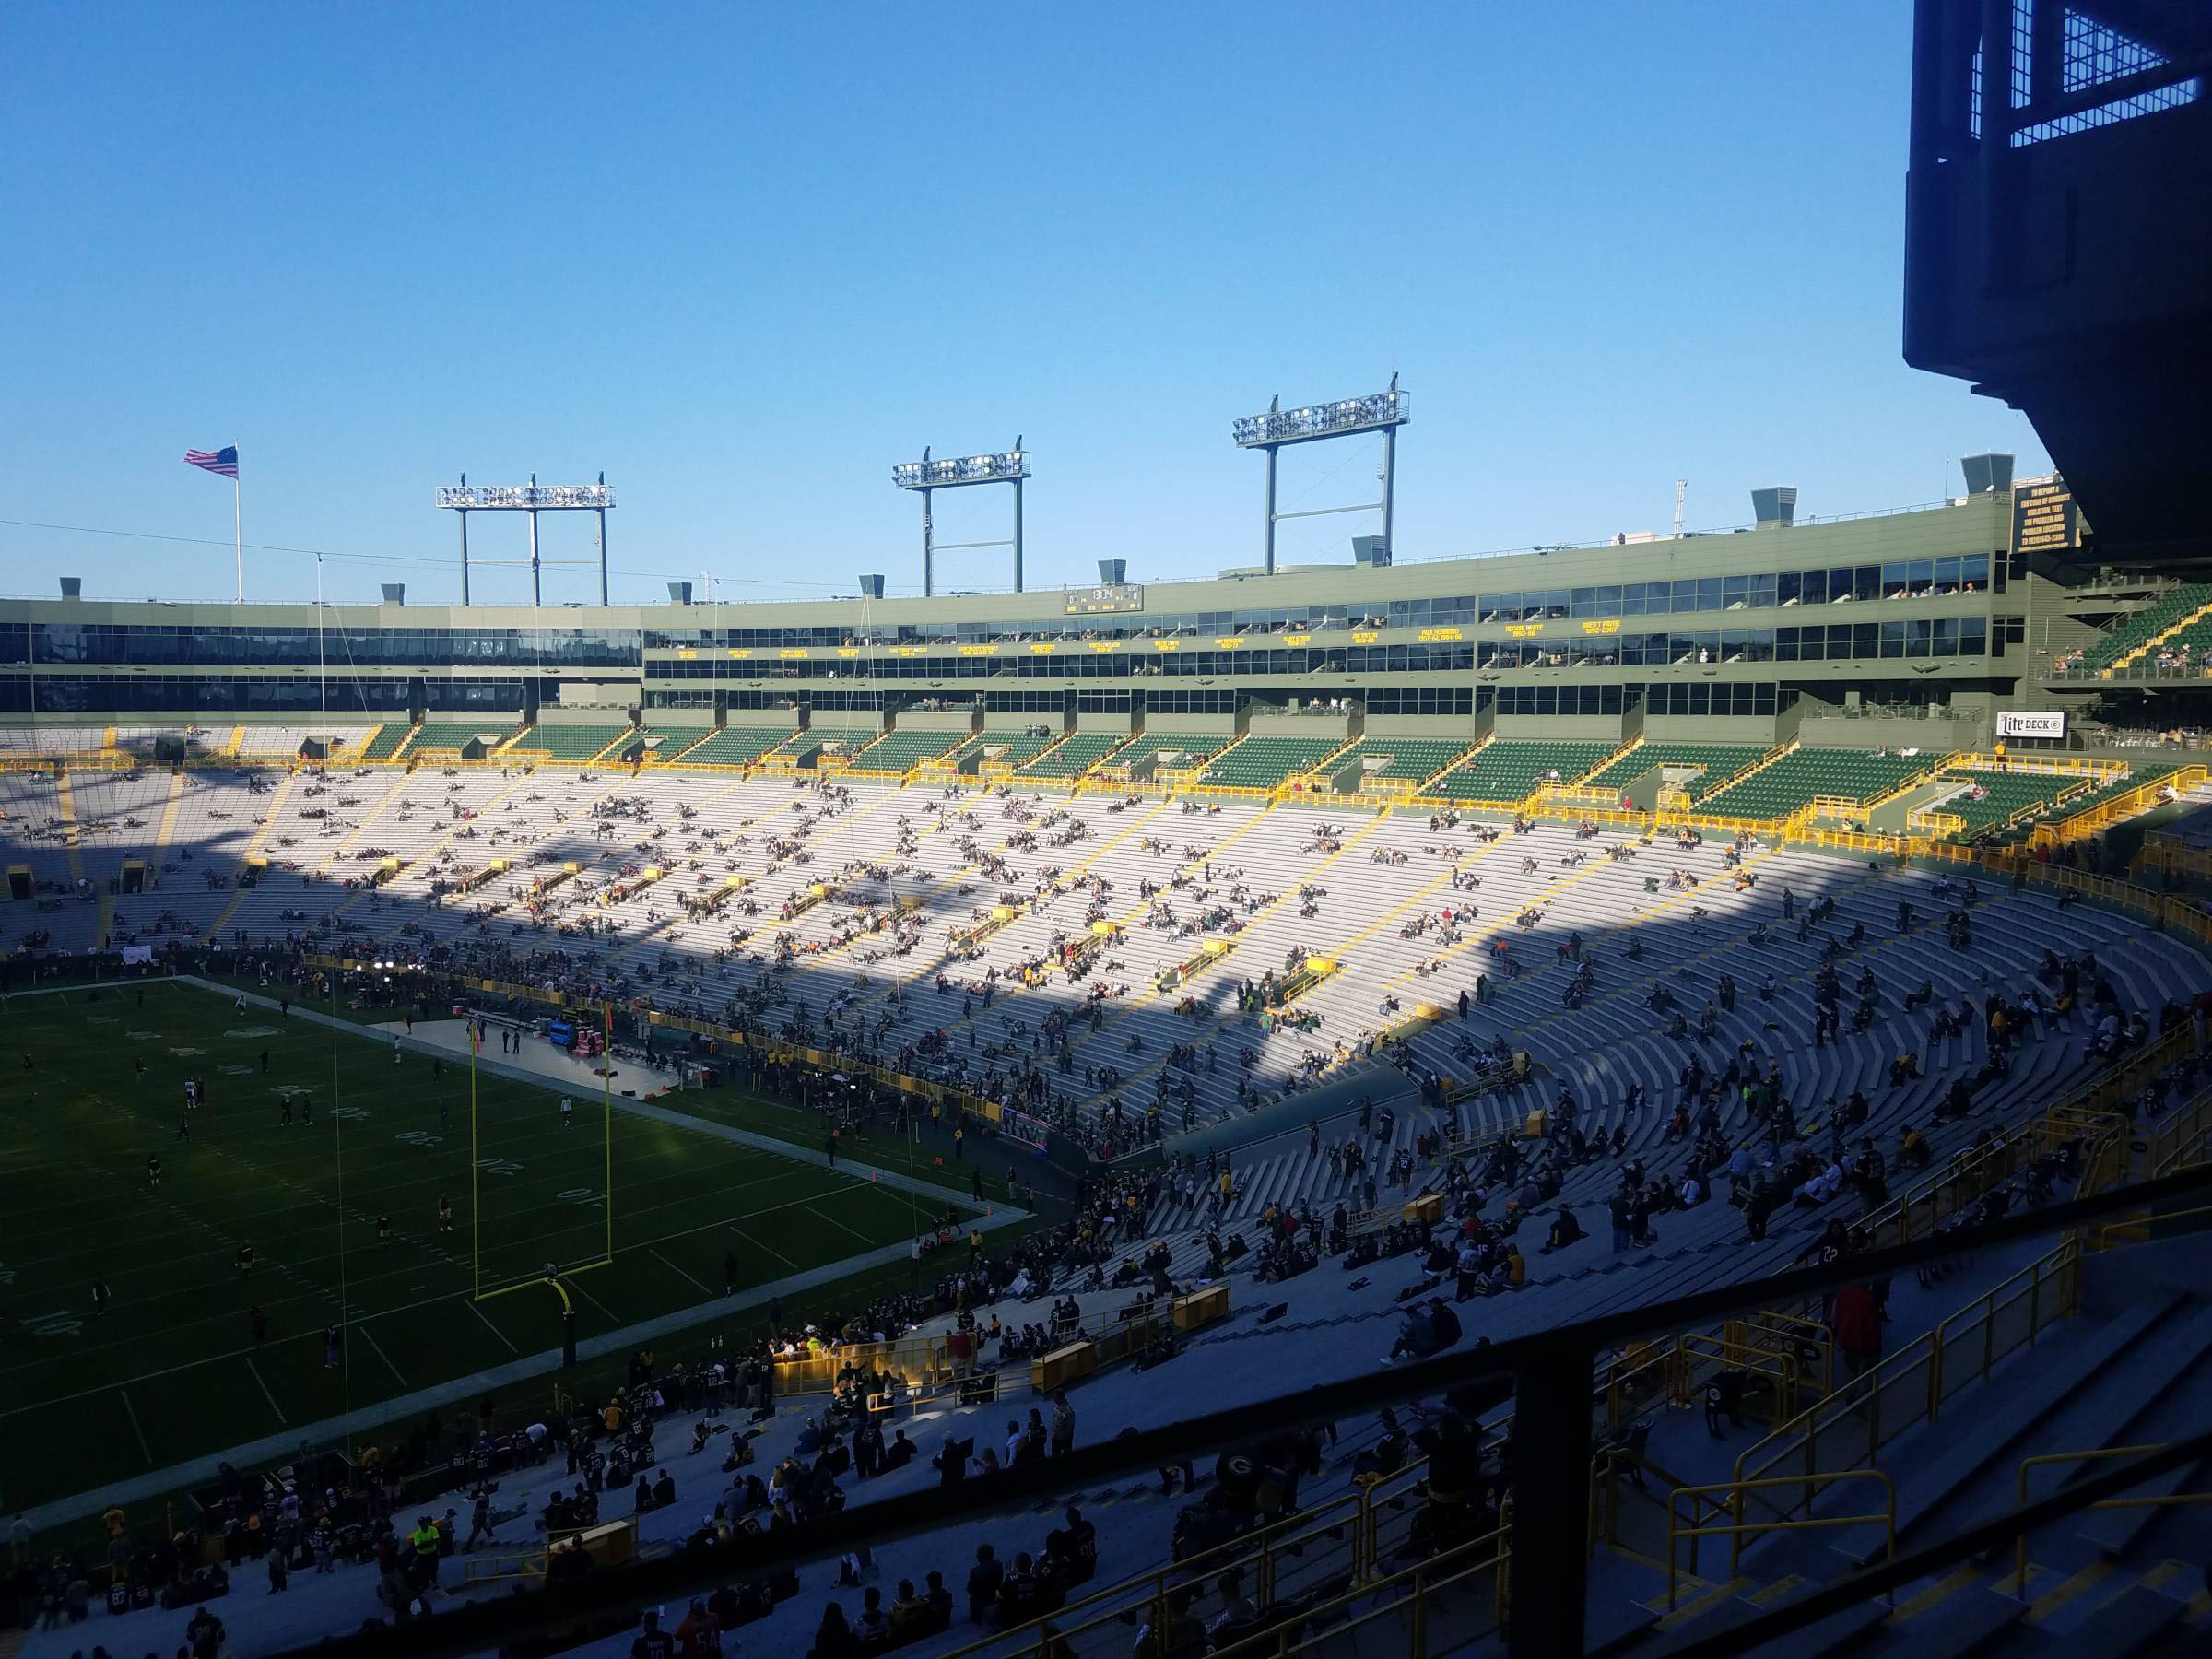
pixel 926 477
pixel 1382 412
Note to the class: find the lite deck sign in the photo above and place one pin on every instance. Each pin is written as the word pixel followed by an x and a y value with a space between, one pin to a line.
pixel 2031 723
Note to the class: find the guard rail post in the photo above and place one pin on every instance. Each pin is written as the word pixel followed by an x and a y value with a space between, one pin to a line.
pixel 1551 1518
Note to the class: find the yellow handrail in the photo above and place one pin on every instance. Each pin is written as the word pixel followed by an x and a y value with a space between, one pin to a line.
pixel 1738 1529
pixel 2053 1278
pixel 2019 1565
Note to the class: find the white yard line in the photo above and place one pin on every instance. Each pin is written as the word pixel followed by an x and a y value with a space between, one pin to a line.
pixel 370 1338
pixel 132 1413
pixel 492 1328
pixel 672 1268
pixel 767 1248
pixel 266 1394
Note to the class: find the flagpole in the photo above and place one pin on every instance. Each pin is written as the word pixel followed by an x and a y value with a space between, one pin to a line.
pixel 238 531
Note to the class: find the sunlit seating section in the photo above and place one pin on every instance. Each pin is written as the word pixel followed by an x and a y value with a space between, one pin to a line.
pixel 1510 771
pixel 1716 763
pixel 1074 757
pixel 1786 786
pixel 735 746
pixel 1264 762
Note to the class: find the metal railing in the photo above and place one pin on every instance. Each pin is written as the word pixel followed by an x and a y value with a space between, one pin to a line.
pixel 2170 1500
pixel 1848 1428
pixel 1736 1530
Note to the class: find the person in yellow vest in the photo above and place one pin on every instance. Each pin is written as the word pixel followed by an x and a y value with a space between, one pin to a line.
pixel 612 1417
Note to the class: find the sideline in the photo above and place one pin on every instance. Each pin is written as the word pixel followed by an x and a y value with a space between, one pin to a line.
pixel 895 1179
pixel 341 1429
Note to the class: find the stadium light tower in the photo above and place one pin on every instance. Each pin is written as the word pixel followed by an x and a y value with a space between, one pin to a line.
pixel 1009 466
pixel 532 499
pixel 1382 412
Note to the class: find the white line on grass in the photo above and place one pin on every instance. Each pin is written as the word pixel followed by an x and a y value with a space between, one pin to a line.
pixel 266 1394
pixel 758 1245
pixel 577 1286
pixel 833 1221
pixel 492 1328
pixel 672 1268
pixel 132 1413
pixel 370 1338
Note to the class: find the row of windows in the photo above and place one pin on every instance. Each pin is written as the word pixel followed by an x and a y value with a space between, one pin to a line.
pixel 1190 702
pixel 1909 578
pixel 1723 698
pixel 192 693
pixel 1836 641
pixel 1421 700
pixel 165 645
pixel 91 644
pixel 1839 641
pixel 1714 698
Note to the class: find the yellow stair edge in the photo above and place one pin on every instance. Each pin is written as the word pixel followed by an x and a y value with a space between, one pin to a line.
pixel 2157 640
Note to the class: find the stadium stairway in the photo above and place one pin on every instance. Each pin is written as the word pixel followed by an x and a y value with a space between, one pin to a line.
pixel 2103 1583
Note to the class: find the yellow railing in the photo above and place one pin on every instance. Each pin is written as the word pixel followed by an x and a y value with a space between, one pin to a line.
pixel 1736 1530
pixel 1395 1610
pixel 2178 1142
pixel 1943 1192
pixel 1848 1428
pixel 2019 1562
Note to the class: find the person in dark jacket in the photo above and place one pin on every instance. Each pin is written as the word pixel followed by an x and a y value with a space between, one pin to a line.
pixel 834 1637
pixel 983 1580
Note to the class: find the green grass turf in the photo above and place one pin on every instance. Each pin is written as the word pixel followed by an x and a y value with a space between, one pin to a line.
pixel 170 1373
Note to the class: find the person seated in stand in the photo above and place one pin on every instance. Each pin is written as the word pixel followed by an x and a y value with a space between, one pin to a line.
pixel 1565 1230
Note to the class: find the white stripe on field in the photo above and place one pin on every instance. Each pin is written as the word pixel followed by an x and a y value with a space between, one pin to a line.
pixel 266 1394
pixel 133 1415
pixel 492 1328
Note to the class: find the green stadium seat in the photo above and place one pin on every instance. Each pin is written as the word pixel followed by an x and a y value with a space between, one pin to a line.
pixel 1511 772
pixel 737 746
pixel 1790 782
pixel 1264 762
pixel 1720 762
pixel 1074 757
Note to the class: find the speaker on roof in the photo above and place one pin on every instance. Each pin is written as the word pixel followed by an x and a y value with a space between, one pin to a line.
pixel 1775 505
pixel 871 587
pixel 1370 550
pixel 396 592
pixel 1987 475
pixel 73 587
pixel 1111 570
pixel 679 592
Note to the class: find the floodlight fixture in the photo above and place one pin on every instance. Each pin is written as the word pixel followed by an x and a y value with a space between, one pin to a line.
pixel 927 474
pixel 1278 428
pixel 532 499
pixel 1339 420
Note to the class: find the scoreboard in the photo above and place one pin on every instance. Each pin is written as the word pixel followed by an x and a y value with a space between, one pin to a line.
pixel 1108 599
pixel 2044 518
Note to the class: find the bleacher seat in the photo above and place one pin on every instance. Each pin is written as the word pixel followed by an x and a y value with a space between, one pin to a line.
pixel 1074 757
pixel 1511 772
pixel 901 752
pixel 565 741
pixel 2154 618
pixel 1717 762
pixel 734 746
pixel 1264 762
pixel 1786 785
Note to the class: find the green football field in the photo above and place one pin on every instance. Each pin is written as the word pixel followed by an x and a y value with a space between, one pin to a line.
pixel 172 1369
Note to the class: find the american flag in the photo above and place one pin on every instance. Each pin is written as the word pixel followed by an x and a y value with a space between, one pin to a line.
pixel 223 461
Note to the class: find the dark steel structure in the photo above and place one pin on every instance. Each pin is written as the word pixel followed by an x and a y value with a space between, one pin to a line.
pixel 2058 253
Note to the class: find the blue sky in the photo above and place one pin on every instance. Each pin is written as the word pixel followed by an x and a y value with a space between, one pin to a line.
pixel 744 258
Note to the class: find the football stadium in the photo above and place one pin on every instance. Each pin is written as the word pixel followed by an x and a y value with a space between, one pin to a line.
pixel 1644 1096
